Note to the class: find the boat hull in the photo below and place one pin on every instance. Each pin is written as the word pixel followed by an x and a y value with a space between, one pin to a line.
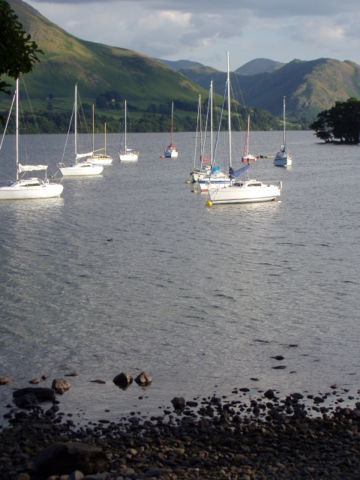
pixel 129 156
pixel 101 160
pixel 282 160
pixel 81 169
pixel 245 192
pixel 30 189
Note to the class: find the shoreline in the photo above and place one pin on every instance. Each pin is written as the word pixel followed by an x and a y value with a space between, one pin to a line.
pixel 270 437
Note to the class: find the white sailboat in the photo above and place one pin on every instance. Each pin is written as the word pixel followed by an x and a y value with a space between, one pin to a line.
pixel 84 167
pixel 203 170
pixel 240 191
pixel 127 154
pixel 99 158
pixel 247 157
pixel 215 176
pixel 26 188
pixel 171 151
pixel 283 157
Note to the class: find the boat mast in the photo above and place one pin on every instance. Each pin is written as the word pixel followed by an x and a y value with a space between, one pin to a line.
pixel 284 120
pixel 211 124
pixel 17 128
pixel 105 138
pixel 93 128
pixel 229 106
pixel 125 127
pixel 198 127
pixel 172 120
pixel 75 103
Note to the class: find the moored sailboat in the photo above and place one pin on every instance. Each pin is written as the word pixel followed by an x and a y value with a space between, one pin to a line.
pixel 171 151
pixel 127 154
pixel 214 176
pixel 240 191
pixel 99 158
pixel 283 157
pixel 26 188
pixel 84 167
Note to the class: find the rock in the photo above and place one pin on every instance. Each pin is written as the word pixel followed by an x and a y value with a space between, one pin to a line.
pixel 76 475
pixel 23 476
pixel 178 403
pixel 30 397
pixel 4 380
pixel 65 458
pixel 278 357
pixel 35 381
pixel 123 380
pixel 269 394
pixel 60 385
pixel 143 379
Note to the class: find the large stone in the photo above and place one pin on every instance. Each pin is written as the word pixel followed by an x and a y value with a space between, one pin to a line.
pixel 60 385
pixel 123 380
pixel 143 379
pixel 64 458
pixel 178 403
pixel 29 397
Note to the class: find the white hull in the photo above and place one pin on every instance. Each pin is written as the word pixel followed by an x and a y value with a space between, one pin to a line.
pixel 130 156
pixel 197 175
pixel 248 191
pixel 81 169
pixel 31 188
pixel 282 160
pixel 218 179
pixel 102 160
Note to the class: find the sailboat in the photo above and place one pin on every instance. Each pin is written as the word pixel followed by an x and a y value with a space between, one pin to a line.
pixel 204 168
pixel 26 188
pixel 214 175
pixel 128 154
pixel 84 167
pixel 283 157
pixel 99 158
pixel 171 151
pixel 247 157
pixel 240 191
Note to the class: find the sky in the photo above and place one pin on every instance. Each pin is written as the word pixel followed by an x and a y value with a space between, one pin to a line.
pixel 204 30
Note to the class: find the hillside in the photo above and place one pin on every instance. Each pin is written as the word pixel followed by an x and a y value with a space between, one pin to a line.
pixel 106 76
pixel 310 87
pixel 102 72
pixel 259 65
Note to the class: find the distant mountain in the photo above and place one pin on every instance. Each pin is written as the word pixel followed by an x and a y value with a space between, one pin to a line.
pixel 179 64
pixel 259 65
pixel 310 86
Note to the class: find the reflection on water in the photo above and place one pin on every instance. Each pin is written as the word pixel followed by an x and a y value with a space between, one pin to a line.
pixel 130 271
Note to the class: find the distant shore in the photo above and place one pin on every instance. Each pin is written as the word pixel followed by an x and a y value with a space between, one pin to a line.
pixel 212 438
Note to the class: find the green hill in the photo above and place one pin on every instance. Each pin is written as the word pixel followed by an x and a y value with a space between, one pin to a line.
pixel 106 76
pixel 310 87
pixel 259 65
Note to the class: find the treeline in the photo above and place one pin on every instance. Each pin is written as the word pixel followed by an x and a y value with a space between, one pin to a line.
pixel 339 124
pixel 153 118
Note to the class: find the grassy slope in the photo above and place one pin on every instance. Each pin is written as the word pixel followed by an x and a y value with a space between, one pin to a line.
pixel 309 86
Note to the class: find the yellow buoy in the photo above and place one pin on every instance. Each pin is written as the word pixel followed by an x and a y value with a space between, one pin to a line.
pixel 208 203
pixel 187 181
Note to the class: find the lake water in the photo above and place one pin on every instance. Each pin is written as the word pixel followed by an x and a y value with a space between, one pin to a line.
pixel 131 271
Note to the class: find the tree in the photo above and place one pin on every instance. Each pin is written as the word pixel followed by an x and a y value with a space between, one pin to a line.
pixel 341 123
pixel 18 53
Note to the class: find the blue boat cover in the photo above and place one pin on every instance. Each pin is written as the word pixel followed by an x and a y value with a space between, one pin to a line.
pixel 215 168
pixel 235 173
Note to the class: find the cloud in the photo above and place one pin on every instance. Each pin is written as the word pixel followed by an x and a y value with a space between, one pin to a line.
pixel 202 30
